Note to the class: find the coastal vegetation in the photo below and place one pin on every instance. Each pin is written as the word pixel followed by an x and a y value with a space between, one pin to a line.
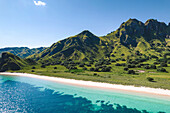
pixel 135 54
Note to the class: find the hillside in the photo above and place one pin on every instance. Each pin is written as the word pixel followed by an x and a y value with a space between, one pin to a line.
pixel 8 61
pixel 22 52
pixel 84 46
pixel 135 54
pixel 133 36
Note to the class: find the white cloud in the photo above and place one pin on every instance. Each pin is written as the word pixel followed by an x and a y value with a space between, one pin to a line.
pixel 39 3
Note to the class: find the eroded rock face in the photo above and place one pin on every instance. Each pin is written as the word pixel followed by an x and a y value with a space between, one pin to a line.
pixel 129 31
pixel 155 29
pixel 154 25
pixel 133 29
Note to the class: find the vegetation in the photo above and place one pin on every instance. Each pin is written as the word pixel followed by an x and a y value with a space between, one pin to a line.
pixel 9 61
pixel 22 52
pixel 138 75
pixel 135 54
pixel 150 79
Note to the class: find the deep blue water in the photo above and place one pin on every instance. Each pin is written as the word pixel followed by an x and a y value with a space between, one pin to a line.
pixel 22 94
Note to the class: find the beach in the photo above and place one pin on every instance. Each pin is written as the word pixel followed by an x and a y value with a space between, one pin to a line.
pixel 155 91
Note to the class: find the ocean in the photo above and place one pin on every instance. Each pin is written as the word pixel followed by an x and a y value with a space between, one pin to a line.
pixel 31 95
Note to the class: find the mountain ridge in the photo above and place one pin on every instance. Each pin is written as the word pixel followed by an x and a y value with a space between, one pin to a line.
pixel 22 52
pixel 132 35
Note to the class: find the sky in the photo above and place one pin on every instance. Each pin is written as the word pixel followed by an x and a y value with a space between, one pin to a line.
pixel 40 23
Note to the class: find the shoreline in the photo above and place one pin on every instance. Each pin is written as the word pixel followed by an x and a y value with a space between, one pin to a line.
pixel 130 88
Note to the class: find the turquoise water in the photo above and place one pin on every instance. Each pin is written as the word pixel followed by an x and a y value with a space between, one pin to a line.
pixel 24 94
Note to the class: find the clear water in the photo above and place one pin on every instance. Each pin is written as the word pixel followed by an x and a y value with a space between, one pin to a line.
pixel 24 94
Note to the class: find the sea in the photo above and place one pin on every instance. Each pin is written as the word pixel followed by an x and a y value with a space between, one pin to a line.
pixel 31 95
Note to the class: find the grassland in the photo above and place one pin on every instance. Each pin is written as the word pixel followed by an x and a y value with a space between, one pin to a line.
pixel 117 75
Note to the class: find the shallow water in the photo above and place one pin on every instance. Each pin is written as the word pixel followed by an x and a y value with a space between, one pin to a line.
pixel 24 94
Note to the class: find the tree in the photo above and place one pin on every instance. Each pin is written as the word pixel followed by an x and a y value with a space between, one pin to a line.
pixel 84 68
pixel 117 64
pixel 81 65
pixel 96 69
pixel 150 79
pixel 33 67
pixel 146 67
pixel 55 67
pixel 42 66
pixel 106 69
pixel 163 64
pixel 161 70
pixel 32 71
pixel 126 69
pixel 94 74
pixel 131 72
pixel 92 69
pixel 153 66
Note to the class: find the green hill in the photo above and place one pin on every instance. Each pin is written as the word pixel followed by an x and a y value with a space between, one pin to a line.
pixel 84 46
pixel 8 61
pixel 148 38
pixel 22 52
pixel 135 54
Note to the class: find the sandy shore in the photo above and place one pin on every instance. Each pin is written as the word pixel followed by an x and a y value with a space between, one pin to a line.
pixel 156 91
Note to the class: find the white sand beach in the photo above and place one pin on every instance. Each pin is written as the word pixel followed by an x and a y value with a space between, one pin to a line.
pixel 156 91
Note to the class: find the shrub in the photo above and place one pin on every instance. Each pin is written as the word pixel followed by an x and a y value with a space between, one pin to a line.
pixel 156 63
pixel 153 56
pixel 163 64
pixel 139 66
pixel 106 69
pixel 84 68
pixel 113 55
pixel 123 59
pixel 117 64
pixel 150 79
pixel 117 59
pixel 126 69
pixel 168 62
pixel 32 71
pixel 131 72
pixel 33 67
pixel 123 64
pixel 55 67
pixel 161 70
pixel 96 69
pixel 89 65
pixel 153 66
pixel 95 74
pixel 42 66
pixel 81 65
pixel 113 60
pixel 122 54
pixel 131 65
pixel 146 67
pixel 91 69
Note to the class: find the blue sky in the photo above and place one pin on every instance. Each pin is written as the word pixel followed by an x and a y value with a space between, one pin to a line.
pixel 35 23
